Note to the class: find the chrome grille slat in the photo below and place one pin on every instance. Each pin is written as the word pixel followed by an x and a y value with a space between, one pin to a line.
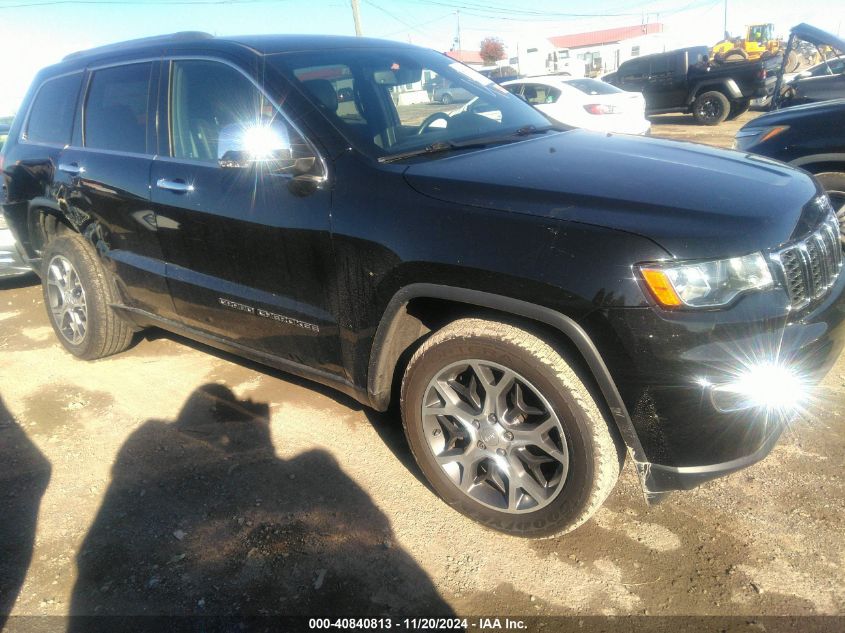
pixel 810 267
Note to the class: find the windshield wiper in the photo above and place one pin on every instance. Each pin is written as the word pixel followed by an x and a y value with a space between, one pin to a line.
pixel 447 146
pixel 434 148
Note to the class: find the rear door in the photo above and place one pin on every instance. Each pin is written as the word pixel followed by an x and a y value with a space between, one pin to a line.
pixel 633 76
pixel 666 86
pixel 106 176
pixel 248 248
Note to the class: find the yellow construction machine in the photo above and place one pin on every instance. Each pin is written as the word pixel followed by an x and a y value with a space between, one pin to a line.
pixel 759 43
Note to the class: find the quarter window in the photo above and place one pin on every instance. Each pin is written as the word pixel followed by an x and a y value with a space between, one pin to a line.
pixel 116 109
pixel 51 117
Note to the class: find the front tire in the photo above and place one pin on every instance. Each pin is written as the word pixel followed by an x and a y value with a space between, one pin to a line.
pixel 711 108
pixel 78 293
pixel 834 186
pixel 505 431
pixel 446 99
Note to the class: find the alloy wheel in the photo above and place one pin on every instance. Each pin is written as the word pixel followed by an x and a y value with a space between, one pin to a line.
pixel 66 297
pixel 495 436
pixel 710 109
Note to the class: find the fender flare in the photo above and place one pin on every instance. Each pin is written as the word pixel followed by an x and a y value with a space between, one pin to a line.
pixel 383 358
pixel 33 208
pixel 80 223
pixel 729 85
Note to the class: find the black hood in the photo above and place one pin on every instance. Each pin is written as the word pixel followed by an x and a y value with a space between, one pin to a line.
pixel 784 116
pixel 693 200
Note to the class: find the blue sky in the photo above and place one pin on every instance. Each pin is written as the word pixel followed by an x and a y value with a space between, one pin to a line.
pixel 35 36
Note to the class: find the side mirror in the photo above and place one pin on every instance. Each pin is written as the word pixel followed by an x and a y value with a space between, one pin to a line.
pixel 243 146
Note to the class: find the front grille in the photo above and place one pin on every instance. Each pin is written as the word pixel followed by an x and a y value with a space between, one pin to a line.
pixel 810 266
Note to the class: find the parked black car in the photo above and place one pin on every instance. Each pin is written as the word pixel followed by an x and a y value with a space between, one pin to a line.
pixel 685 80
pixel 534 300
pixel 811 137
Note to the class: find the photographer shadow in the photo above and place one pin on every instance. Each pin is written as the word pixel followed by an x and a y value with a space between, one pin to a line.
pixel 24 475
pixel 202 518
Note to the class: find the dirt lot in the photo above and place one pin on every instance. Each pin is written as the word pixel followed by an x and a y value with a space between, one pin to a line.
pixel 172 479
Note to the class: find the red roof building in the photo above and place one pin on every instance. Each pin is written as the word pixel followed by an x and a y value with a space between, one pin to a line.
pixel 467 57
pixel 606 36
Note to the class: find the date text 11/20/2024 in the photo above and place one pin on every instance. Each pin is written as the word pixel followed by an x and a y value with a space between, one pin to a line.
pixel 417 624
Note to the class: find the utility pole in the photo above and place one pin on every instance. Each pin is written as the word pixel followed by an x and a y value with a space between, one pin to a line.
pixel 726 20
pixel 458 35
pixel 356 15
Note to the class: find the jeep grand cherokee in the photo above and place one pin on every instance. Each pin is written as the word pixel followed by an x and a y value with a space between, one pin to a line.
pixel 535 300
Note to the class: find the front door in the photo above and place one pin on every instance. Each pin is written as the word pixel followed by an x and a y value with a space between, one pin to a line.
pixel 248 245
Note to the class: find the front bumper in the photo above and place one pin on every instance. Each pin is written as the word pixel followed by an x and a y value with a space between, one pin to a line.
pixel 669 366
pixel 12 261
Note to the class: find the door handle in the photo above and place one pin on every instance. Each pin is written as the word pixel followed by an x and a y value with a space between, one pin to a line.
pixel 71 168
pixel 179 186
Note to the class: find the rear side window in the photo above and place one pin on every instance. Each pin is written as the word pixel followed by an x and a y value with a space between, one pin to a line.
pixel 632 68
pixel 116 109
pixel 538 94
pixel 661 64
pixel 51 116
pixel 593 86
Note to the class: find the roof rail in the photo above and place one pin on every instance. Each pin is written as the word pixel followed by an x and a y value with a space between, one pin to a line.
pixel 181 36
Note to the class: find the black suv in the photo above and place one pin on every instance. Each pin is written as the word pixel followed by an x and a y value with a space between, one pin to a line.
pixel 535 300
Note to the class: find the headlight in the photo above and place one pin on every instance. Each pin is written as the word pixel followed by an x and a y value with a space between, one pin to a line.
pixel 706 284
pixel 748 137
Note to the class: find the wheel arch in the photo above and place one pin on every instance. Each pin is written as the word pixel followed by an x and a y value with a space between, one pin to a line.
pixel 818 163
pixel 44 219
pixel 727 87
pixel 399 329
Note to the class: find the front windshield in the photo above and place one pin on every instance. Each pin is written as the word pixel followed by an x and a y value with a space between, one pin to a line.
pixel 389 101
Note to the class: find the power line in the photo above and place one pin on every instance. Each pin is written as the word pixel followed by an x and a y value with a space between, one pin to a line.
pixel 432 21
pixel 27 5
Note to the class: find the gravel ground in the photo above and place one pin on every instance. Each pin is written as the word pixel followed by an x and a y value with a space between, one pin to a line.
pixel 173 479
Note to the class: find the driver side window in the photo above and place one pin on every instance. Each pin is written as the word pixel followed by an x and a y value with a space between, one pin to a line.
pixel 206 99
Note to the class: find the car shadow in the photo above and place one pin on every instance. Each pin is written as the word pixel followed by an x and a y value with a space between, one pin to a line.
pixel 673 119
pixel 202 518
pixel 22 281
pixel 24 475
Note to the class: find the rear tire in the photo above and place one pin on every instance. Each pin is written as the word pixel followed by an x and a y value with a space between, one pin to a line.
pixel 738 108
pixel 78 293
pixel 536 460
pixel 834 186
pixel 711 108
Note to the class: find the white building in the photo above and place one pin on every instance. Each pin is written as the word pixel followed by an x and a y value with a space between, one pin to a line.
pixel 593 53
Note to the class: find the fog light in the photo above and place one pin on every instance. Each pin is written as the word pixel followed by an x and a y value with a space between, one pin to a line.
pixel 768 386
